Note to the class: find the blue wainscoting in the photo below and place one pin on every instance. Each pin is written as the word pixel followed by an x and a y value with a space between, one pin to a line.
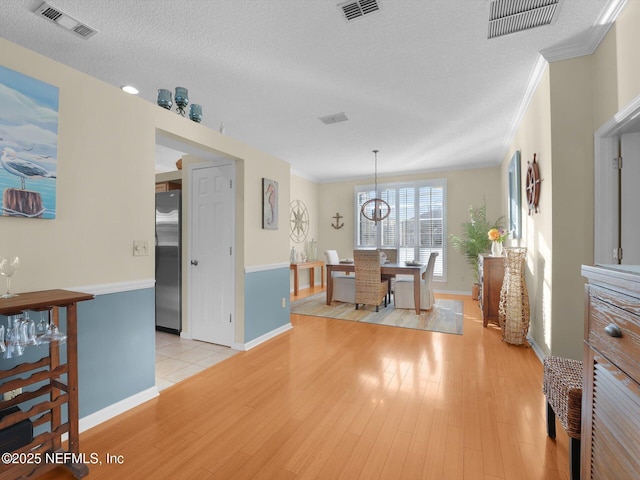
pixel 264 291
pixel 116 348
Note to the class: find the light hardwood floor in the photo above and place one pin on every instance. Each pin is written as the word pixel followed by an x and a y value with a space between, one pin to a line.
pixel 338 399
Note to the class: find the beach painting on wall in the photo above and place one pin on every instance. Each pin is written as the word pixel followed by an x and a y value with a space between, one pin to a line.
pixel 28 146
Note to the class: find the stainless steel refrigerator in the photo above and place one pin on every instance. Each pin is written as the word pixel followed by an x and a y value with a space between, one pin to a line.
pixel 168 261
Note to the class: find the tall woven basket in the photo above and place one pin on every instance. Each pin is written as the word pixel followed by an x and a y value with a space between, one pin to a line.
pixel 513 312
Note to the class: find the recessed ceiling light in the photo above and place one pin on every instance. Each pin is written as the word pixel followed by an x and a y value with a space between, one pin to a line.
pixel 130 89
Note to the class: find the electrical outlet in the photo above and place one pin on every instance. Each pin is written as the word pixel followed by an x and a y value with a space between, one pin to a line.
pixel 12 394
pixel 140 248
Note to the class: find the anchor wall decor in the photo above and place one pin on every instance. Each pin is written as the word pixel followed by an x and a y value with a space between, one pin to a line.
pixel 337 225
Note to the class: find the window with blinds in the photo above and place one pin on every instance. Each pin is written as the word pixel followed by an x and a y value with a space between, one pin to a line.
pixel 416 224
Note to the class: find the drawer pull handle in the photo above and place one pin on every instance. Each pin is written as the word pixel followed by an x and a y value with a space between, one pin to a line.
pixel 613 330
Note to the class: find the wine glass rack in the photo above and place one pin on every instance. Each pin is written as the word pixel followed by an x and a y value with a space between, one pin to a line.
pixel 43 382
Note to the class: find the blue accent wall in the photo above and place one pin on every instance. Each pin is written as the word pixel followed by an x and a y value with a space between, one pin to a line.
pixel 263 295
pixel 116 348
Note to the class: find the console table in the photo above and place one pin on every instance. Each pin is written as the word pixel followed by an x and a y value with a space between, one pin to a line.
pixel 310 265
pixel 51 395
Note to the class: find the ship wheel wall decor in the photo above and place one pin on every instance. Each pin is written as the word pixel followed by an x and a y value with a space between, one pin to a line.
pixel 533 186
pixel 299 220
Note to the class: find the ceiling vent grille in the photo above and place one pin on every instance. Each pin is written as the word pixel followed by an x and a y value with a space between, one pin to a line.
pixel 335 118
pixel 355 9
pixel 511 16
pixel 65 21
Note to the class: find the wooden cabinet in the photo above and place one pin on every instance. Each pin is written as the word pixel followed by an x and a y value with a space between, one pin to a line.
pixel 611 390
pixel 491 270
pixel 166 186
pixel 48 385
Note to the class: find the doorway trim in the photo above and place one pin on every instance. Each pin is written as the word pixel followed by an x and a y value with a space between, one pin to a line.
pixel 606 189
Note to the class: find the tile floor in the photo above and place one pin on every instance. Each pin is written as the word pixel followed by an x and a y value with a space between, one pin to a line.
pixel 178 358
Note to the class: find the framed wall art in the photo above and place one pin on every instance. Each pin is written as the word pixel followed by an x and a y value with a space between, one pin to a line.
pixel 515 220
pixel 269 204
pixel 28 146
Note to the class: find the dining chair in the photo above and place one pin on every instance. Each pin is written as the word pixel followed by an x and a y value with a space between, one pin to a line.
pixel 344 285
pixel 403 289
pixel 371 289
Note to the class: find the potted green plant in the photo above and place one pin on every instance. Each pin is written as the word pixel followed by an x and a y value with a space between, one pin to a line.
pixel 474 240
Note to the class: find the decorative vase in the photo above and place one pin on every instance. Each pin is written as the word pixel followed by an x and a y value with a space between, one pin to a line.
pixel 195 112
pixel 513 312
pixel 164 99
pixel 496 249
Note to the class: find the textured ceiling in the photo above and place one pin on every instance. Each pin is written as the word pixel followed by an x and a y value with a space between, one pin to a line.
pixel 418 80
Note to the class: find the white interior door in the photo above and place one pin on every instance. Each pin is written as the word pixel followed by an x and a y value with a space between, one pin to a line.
pixel 211 272
pixel 630 199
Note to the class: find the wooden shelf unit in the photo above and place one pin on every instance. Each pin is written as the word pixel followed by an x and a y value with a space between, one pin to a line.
pixel 491 270
pixel 49 370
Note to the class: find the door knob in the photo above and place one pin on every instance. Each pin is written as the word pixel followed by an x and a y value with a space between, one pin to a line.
pixel 194 262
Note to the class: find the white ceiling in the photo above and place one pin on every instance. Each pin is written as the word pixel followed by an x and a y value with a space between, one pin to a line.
pixel 418 80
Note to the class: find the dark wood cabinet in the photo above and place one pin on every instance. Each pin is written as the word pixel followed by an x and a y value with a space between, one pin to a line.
pixel 611 389
pixel 491 270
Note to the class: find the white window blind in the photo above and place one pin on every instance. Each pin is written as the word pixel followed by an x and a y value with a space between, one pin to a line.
pixel 416 225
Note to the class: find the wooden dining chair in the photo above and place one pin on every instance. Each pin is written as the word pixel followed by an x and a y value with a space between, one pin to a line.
pixel 371 289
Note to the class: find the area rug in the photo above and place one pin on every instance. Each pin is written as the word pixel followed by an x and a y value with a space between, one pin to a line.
pixel 445 316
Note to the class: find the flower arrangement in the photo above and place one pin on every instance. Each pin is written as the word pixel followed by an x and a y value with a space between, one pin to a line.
pixel 497 234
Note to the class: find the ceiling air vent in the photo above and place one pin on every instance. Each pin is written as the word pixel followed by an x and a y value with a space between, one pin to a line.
pixel 356 9
pixel 65 21
pixel 510 16
pixel 335 118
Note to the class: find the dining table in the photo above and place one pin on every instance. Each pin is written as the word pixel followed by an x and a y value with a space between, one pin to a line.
pixel 388 269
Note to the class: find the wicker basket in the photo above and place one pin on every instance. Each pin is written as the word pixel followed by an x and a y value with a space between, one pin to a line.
pixel 513 312
pixel 562 386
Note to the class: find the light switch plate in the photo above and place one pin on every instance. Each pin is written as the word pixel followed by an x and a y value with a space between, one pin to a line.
pixel 140 248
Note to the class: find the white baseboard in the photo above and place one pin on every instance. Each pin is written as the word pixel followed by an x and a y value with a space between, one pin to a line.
pixel 261 339
pixel 117 408
pixel 536 349
pixel 452 292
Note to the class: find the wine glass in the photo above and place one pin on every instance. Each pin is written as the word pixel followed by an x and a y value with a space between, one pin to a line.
pixel 3 347
pixel 8 266
pixel 29 330
pixel 52 333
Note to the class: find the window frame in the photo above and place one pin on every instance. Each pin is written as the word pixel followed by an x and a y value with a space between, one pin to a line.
pixel 383 192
